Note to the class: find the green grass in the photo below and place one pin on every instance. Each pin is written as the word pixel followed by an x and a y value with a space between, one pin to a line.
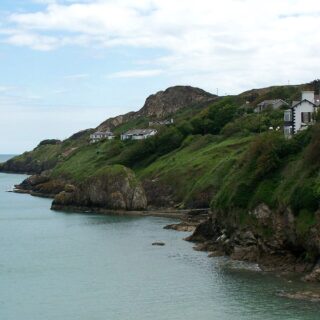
pixel 198 167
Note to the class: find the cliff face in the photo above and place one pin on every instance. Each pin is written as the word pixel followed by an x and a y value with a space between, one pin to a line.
pixel 271 238
pixel 112 123
pixel 114 187
pixel 163 104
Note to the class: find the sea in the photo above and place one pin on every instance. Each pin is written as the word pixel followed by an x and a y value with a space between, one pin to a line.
pixel 71 266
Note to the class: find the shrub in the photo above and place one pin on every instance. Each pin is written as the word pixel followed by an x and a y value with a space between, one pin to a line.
pixel 264 193
pixel 243 195
pixel 216 117
pixel 185 128
pixel 264 154
pixel 312 152
pixel 168 140
pixel 305 198
pixel 304 222
pixel 49 142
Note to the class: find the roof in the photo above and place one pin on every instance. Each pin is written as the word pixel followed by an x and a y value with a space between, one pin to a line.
pixel 107 133
pixel 271 102
pixel 299 102
pixel 138 132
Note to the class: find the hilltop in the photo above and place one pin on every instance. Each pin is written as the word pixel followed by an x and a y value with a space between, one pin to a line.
pixel 263 190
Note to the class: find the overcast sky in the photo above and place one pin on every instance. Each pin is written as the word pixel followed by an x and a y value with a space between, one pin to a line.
pixel 68 65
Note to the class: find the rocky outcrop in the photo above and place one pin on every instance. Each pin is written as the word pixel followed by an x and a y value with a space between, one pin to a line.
pixel 41 185
pixel 114 187
pixel 269 237
pixel 313 296
pixel 162 104
pixel 112 123
pixel 190 220
pixel 27 164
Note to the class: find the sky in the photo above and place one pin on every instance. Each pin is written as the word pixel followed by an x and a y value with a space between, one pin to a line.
pixel 67 65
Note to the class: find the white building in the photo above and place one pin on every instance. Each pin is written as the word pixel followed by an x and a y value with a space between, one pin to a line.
pixel 301 114
pixel 161 122
pixel 272 104
pixel 100 135
pixel 138 134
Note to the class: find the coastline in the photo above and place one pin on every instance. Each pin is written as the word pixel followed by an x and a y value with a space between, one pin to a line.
pixel 181 214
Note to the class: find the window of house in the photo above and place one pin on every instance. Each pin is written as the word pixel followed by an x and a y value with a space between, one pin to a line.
pixel 288 115
pixel 306 117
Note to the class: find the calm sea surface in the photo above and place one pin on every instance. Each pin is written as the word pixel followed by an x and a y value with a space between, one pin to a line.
pixel 90 267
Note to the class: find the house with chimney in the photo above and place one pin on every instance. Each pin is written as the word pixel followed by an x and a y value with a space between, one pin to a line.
pixel 301 114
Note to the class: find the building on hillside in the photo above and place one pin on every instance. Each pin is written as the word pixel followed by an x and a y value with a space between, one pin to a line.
pixel 270 104
pixel 138 134
pixel 101 135
pixel 161 122
pixel 301 114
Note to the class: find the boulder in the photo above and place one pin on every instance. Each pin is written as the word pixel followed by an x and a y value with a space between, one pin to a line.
pixel 113 187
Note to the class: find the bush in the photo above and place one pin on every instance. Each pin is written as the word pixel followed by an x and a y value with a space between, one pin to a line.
pixel 312 152
pixel 254 123
pixel 217 116
pixel 264 154
pixel 304 222
pixel 264 193
pixel 305 198
pixel 185 128
pixel 243 195
pixel 168 140
pixel 49 142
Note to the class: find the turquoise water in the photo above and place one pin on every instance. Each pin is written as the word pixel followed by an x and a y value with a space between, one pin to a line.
pixel 90 267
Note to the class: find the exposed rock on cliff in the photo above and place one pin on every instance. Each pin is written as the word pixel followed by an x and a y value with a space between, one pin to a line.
pixel 166 102
pixel 270 238
pixel 162 104
pixel 41 185
pixel 114 187
pixel 28 164
pixel 112 123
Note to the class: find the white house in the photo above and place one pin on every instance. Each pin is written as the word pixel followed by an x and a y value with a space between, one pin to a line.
pixel 161 122
pixel 272 104
pixel 100 135
pixel 138 134
pixel 301 114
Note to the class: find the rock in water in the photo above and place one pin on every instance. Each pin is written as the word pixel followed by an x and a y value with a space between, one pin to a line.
pixel 158 243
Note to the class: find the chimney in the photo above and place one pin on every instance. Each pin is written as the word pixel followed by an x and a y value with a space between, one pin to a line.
pixel 308 95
